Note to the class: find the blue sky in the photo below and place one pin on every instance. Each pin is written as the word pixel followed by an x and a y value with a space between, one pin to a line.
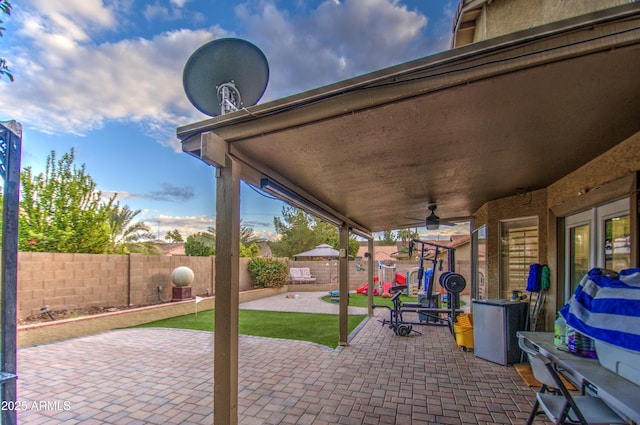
pixel 105 77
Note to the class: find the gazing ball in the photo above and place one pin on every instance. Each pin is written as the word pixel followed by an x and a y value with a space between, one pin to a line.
pixel 182 276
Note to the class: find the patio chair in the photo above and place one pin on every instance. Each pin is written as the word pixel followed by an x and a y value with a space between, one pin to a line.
pixel 555 400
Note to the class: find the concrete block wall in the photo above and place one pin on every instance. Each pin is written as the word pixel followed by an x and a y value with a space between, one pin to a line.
pixel 326 271
pixel 64 281
pixel 70 281
pixel 148 273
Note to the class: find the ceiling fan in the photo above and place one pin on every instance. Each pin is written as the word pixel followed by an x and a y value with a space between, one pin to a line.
pixel 433 222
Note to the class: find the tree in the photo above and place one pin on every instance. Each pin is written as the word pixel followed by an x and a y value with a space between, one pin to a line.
pixel 129 237
pixel 296 233
pixel 334 241
pixel 407 234
pixel 62 211
pixel 5 7
pixel 201 244
pixel 300 232
pixel 174 236
pixel 250 251
pixel 388 238
pixel 247 235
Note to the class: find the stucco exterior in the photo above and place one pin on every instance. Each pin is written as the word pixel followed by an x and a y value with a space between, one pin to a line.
pixel 609 177
pixel 605 178
pixel 482 20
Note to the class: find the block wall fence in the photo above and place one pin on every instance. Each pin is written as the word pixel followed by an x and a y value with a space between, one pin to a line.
pixel 69 281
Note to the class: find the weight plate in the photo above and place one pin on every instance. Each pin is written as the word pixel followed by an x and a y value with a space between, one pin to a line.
pixel 454 283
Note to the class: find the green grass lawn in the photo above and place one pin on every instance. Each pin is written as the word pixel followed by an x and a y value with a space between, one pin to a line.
pixel 361 300
pixel 319 328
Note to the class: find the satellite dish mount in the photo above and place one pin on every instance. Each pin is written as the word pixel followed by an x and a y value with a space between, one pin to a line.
pixel 229 97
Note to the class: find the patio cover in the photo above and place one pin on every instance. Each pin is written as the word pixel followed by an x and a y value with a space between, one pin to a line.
pixel 323 251
pixel 459 128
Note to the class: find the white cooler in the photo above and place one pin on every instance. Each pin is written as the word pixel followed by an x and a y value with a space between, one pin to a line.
pixel 621 361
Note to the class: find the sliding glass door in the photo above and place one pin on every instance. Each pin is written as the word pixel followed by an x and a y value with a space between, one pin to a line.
pixel 598 237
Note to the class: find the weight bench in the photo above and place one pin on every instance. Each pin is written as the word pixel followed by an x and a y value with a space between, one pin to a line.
pixel 428 315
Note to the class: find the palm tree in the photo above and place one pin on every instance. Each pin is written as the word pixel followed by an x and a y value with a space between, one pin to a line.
pixel 127 237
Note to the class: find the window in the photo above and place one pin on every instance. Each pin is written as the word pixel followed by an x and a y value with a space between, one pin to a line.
pixel 479 263
pixel 518 250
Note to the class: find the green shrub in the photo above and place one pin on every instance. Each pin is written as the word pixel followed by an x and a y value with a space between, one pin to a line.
pixel 268 272
pixel 198 245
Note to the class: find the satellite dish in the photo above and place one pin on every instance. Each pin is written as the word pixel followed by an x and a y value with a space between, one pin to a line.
pixel 225 75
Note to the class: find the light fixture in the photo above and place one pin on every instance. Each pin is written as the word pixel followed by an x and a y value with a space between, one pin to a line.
pixel 432 226
pixel 298 201
pixel 294 199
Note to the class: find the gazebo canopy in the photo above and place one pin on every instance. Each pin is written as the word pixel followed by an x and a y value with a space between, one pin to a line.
pixel 323 250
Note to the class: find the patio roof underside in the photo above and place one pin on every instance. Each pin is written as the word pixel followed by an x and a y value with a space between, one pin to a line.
pixel 459 128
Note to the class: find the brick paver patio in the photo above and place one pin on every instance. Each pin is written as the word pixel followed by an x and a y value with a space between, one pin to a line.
pixel 165 376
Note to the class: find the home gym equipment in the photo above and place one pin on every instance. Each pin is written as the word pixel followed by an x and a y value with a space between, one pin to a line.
pixel 427 309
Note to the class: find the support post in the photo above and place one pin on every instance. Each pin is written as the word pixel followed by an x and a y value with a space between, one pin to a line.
pixel 344 285
pixel 370 276
pixel 227 284
pixel 11 151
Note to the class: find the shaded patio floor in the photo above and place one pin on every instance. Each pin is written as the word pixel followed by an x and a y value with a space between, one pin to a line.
pixel 164 376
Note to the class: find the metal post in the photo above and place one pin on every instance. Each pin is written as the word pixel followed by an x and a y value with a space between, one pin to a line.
pixel 344 285
pixel 227 283
pixel 10 149
pixel 370 265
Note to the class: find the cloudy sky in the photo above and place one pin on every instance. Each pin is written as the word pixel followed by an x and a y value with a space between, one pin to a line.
pixel 105 77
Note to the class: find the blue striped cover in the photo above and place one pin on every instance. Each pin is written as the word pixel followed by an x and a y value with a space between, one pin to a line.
pixel 606 308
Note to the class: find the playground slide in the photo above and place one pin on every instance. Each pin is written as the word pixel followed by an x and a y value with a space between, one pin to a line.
pixel 364 289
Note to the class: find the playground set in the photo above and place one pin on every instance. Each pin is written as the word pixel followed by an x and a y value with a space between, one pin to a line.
pixel 402 316
pixel 382 284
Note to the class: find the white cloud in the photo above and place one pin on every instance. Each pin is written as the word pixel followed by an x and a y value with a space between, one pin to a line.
pixel 71 83
pixel 73 19
pixel 179 3
pixel 161 224
pixel 334 41
pixel 157 11
pixel 74 88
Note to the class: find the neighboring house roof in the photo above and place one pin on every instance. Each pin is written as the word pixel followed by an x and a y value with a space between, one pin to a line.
pixel 394 252
pixel 177 250
pixel 380 252
pixel 169 249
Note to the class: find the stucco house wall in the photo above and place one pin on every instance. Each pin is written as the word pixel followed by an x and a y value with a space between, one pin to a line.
pixel 606 178
pixel 500 17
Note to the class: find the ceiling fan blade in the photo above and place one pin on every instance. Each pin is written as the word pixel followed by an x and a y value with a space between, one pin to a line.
pixel 413 218
pixel 457 220
pixel 446 223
